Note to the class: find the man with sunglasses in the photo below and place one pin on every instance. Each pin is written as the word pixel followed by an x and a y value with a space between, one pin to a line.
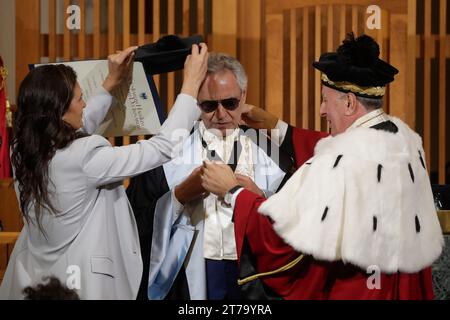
pixel 357 220
pixel 187 235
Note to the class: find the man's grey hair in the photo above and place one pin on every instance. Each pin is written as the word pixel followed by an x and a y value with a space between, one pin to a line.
pixel 370 103
pixel 218 62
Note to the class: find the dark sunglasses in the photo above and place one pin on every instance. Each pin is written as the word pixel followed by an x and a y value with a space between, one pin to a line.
pixel 211 105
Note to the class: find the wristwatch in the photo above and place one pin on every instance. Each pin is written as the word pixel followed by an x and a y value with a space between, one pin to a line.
pixel 229 195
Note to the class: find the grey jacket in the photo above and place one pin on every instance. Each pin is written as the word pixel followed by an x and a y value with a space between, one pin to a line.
pixel 92 244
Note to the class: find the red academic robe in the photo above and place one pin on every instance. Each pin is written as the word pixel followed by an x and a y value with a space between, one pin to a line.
pixel 4 146
pixel 310 278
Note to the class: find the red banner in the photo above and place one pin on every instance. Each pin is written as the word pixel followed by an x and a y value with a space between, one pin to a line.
pixel 4 142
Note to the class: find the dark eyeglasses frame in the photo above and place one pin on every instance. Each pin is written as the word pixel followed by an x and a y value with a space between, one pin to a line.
pixel 209 106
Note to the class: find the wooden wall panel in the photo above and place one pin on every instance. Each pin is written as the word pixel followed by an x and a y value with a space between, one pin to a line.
pixel 293 39
pixel 427 83
pixel 111 26
pixel 249 49
pixel 410 117
pixel 126 42
pixel 156 31
pixel 317 53
pixel 443 44
pixel 112 39
pixel 171 75
pixel 201 16
pixel 141 20
pixel 52 31
pixel 329 23
pixel 67 35
pixel 186 18
pixel 355 25
pixel 274 64
pixel 82 52
pixel 9 207
pixel 306 66
pixel 28 31
pixel 224 26
pixel 97 21
pixel 342 18
pixel 277 6
pixel 11 219
pixel 398 57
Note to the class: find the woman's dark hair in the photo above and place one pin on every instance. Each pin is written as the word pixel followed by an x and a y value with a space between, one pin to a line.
pixel 50 289
pixel 44 97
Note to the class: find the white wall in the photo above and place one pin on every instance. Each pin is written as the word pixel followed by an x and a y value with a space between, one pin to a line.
pixel 8 43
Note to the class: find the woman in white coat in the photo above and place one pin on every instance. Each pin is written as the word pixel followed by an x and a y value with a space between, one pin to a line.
pixel 79 225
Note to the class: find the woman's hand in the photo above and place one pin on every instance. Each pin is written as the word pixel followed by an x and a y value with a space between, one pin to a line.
pixel 195 69
pixel 258 118
pixel 120 66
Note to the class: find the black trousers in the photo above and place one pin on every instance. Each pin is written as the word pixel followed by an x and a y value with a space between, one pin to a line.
pixel 221 278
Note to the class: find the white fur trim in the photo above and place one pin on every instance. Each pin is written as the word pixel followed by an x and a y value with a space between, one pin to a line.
pixel 354 196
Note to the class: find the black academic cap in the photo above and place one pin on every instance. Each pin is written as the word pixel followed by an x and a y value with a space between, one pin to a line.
pixel 167 54
pixel 356 67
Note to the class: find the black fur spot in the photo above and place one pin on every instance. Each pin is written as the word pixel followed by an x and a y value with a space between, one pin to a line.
pixel 375 223
pixel 421 160
pixel 379 172
pixel 337 160
pixel 411 172
pixel 417 224
pixel 324 214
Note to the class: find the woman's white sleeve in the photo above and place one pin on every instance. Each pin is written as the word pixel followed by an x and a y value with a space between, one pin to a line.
pixel 96 109
pixel 105 164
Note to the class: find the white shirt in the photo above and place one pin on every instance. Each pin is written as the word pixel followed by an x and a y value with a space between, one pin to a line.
pixel 218 239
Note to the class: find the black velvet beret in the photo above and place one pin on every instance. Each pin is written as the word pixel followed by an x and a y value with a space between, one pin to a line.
pixel 356 62
pixel 167 54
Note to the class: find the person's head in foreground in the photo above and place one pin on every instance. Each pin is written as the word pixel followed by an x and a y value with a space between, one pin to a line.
pixel 50 289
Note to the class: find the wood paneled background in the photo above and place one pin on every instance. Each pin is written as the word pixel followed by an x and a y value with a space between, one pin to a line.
pixel 276 40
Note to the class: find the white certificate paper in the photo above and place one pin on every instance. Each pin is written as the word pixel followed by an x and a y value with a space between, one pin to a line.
pixel 134 109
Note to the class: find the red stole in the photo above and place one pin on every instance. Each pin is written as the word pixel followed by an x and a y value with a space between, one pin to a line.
pixel 4 142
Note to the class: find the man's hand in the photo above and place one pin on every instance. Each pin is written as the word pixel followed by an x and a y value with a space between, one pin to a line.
pixel 249 184
pixel 218 178
pixel 191 188
pixel 120 67
pixel 195 69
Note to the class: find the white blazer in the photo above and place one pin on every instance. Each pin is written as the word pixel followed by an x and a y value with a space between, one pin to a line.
pixel 93 243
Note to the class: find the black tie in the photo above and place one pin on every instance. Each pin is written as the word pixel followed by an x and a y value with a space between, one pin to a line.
pixel 235 154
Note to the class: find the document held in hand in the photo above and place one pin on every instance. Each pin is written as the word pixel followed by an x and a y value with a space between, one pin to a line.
pixel 136 109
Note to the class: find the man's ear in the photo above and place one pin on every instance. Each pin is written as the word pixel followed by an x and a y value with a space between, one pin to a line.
pixel 352 104
pixel 243 97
